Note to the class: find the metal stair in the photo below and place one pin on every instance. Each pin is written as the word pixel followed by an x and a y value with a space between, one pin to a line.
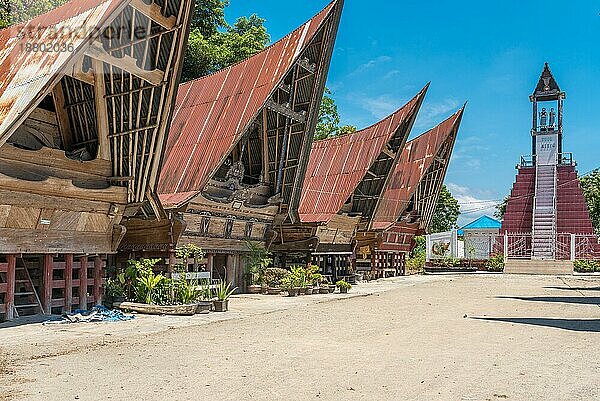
pixel 544 213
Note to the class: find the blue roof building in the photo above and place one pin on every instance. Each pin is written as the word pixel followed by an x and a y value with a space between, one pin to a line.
pixel 485 222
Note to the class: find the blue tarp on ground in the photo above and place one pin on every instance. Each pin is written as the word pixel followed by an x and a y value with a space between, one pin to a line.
pixel 98 313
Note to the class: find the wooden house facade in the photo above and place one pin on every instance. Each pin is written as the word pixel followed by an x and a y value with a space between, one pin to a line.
pixel 409 201
pixel 239 143
pixel 345 179
pixel 86 95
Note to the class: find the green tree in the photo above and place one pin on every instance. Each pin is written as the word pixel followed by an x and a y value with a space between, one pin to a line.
pixel 446 212
pixel 591 190
pixel 501 208
pixel 209 17
pixel 329 119
pixel 213 44
pixel 15 11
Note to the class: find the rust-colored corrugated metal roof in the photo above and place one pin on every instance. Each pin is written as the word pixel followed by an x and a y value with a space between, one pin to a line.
pixel 26 73
pixel 337 165
pixel 415 160
pixel 212 113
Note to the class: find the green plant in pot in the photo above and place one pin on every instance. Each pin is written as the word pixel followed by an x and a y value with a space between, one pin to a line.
pixel 223 291
pixel 288 284
pixel 324 287
pixel 115 290
pixel 258 262
pixel 343 286
pixel 274 279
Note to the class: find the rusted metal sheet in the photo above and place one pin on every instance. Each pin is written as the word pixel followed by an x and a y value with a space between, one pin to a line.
pixel 34 52
pixel 337 165
pixel 415 160
pixel 212 113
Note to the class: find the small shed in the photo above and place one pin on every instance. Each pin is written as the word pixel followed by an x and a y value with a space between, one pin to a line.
pixel 480 237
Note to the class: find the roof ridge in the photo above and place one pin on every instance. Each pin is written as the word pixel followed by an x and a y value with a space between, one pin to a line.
pixel 327 8
pixel 422 92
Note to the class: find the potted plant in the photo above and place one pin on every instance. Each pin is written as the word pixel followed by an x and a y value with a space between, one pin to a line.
pixel 258 261
pixel 343 286
pixel 288 285
pixel 222 293
pixel 324 287
pixel 273 279
pixel 115 290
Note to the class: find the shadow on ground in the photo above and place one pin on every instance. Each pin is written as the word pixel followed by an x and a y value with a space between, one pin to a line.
pixel 587 325
pixel 564 300
pixel 574 288
pixel 34 319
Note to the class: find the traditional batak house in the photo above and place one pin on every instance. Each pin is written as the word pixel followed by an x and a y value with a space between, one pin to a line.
pixel 409 201
pixel 239 144
pixel 547 221
pixel 344 181
pixel 86 93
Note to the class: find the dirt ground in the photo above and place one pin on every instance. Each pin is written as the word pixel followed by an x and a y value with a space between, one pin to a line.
pixel 470 337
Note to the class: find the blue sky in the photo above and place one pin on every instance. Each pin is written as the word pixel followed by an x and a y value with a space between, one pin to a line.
pixel 487 53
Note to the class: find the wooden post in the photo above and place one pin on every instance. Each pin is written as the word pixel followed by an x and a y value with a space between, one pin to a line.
pixel 47 284
pixel 83 278
pixel 172 262
pixel 98 280
pixel 10 286
pixel 210 264
pixel 229 270
pixel 68 282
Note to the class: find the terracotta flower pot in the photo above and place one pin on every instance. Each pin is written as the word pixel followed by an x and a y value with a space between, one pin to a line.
pixel 292 292
pixel 331 289
pixel 343 290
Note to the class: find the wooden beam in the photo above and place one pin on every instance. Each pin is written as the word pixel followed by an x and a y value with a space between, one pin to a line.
pixel 127 63
pixel 64 125
pixel 101 111
pixel 98 265
pixel 154 12
pixel 388 153
pixel 47 284
pixel 68 282
pixel 265 147
pixel 83 282
pixel 76 71
pixel 10 287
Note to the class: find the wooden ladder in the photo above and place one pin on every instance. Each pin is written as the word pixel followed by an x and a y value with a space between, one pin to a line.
pixel 26 296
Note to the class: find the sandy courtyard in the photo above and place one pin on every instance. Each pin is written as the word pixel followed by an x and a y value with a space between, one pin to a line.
pixel 478 337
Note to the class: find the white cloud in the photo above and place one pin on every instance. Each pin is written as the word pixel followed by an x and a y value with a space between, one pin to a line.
pixel 380 106
pixel 432 113
pixel 370 64
pixel 471 206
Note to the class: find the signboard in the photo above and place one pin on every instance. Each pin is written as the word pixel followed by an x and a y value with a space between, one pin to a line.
pixel 547 149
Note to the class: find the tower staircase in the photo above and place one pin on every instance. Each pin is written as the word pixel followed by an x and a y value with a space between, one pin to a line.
pixel 544 213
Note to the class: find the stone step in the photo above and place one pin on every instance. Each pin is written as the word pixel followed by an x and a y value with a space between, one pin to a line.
pixel 550 267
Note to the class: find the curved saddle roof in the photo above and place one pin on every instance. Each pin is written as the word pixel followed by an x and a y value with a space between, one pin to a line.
pixel 338 165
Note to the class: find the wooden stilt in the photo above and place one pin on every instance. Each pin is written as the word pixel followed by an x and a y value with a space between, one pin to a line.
pixel 83 279
pixel 210 264
pixel 10 286
pixel 172 262
pixel 47 268
pixel 68 282
pixel 98 264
